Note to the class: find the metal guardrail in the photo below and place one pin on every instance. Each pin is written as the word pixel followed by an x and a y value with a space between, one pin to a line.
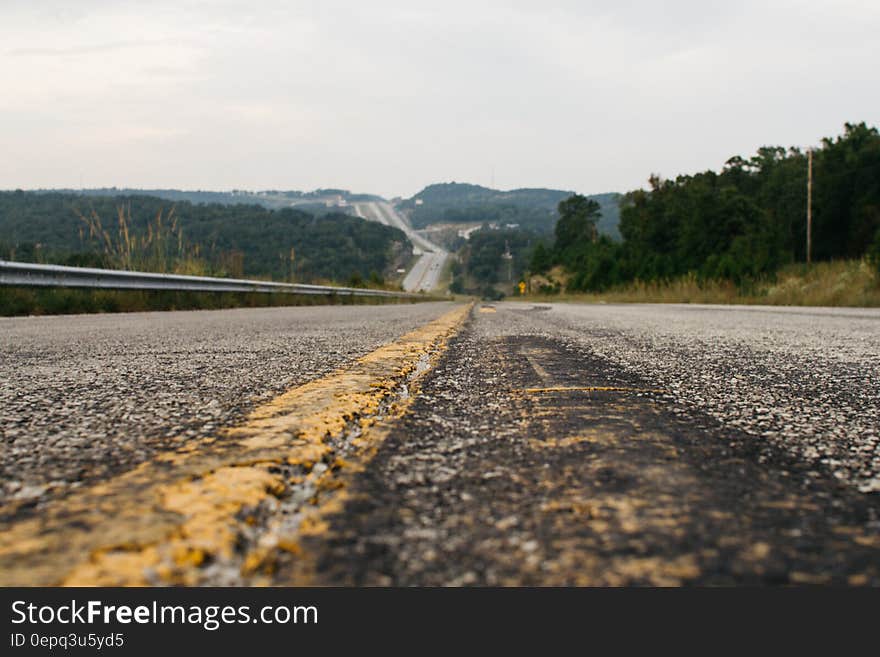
pixel 29 274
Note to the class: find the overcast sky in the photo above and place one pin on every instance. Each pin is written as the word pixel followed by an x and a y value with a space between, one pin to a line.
pixel 387 96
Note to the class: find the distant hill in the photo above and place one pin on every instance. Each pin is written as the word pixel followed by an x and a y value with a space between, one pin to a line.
pixel 463 194
pixel 530 208
pixel 45 227
pixel 314 201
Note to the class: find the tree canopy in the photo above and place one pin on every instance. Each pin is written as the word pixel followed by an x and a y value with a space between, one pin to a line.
pixel 239 239
pixel 738 224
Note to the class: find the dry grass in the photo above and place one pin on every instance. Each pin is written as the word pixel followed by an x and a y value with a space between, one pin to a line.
pixel 842 283
pixel 162 248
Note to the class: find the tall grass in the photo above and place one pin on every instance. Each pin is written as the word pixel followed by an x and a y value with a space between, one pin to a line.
pixel 160 248
pixel 838 283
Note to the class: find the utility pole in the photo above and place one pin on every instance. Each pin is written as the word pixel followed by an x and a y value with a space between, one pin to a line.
pixel 507 255
pixel 809 204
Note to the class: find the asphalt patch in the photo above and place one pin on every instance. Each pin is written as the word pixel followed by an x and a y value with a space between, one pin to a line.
pixel 596 483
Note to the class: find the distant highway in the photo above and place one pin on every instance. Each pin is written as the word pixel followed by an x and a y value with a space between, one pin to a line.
pixel 425 274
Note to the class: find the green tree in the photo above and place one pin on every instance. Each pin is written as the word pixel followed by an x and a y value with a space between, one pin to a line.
pixel 542 258
pixel 577 220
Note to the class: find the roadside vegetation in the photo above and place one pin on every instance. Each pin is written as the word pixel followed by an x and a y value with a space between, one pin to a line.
pixel 134 241
pixel 838 283
pixel 740 226
pixel 221 240
pixel 63 301
pixel 738 236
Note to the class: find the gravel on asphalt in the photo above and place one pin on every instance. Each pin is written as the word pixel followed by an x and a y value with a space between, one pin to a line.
pixel 85 397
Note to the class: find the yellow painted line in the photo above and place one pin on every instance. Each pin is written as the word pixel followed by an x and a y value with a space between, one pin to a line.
pixel 594 437
pixel 487 309
pixel 533 355
pixel 163 520
pixel 534 391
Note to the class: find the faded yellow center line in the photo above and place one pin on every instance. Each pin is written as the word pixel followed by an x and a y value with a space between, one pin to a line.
pixel 161 521
pixel 534 391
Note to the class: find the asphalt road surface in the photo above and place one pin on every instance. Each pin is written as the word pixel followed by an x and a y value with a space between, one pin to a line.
pixel 426 272
pixel 85 397
pixel 546 444
pixel 620 445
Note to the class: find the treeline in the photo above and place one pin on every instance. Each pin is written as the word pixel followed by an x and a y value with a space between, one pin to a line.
pixel 740 224
pixel 492 262
pixel 270 198
pixel 236 240
pixel 531 209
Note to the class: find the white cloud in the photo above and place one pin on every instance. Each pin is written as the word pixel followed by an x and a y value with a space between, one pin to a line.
pixel 389 95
